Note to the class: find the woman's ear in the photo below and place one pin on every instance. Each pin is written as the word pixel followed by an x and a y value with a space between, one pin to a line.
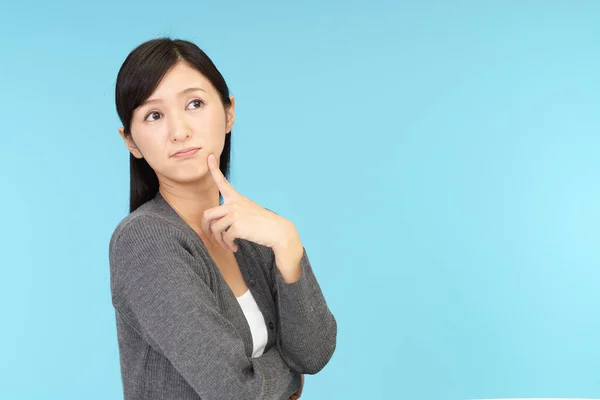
pixel 230 114
pixel 130 144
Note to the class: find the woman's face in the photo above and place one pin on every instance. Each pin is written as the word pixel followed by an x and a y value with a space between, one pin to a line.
pixel 185 111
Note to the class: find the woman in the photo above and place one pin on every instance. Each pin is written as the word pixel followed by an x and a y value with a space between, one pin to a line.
pixel 213 300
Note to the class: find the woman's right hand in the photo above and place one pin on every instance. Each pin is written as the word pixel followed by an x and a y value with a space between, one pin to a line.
pixel 297 395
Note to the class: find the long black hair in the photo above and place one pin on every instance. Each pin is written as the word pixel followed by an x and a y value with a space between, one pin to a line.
pixel 140 74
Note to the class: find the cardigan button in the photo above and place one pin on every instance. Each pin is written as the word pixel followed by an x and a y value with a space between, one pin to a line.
pixel 271 325
pixel 251 282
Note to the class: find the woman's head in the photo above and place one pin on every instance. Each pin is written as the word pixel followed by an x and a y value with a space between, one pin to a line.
pixel 170 97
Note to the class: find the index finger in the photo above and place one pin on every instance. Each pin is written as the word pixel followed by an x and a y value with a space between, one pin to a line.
pixel 224 186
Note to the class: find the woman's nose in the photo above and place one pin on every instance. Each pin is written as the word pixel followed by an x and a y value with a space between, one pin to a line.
pixel 180 129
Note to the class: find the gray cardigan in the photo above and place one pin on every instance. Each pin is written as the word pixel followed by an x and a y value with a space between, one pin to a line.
pixel 181 331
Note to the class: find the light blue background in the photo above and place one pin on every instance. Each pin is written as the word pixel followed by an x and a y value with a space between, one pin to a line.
pixel 440 160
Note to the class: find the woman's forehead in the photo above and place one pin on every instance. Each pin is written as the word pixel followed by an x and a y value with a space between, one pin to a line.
pixel 179 78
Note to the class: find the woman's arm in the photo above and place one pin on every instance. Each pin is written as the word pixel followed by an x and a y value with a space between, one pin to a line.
pixel 307 333
pixel 152 282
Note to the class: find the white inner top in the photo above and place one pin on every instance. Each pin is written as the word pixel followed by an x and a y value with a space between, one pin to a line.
pixel 256 321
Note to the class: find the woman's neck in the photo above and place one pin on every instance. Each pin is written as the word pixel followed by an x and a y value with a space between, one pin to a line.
pixel 190 203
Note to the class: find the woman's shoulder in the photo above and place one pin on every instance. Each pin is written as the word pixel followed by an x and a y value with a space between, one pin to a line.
pixel 145 223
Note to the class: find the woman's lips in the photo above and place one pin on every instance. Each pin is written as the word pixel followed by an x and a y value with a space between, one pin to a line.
pixel 186 153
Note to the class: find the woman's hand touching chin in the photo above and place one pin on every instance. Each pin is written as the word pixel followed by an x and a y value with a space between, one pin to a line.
pixel 240 217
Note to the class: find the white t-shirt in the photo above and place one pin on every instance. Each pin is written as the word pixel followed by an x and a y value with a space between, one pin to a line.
pixel 256 321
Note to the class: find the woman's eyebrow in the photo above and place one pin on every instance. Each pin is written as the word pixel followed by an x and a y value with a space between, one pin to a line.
pixel 184 91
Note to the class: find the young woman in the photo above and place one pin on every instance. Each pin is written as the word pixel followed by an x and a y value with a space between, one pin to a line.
pixel 214 295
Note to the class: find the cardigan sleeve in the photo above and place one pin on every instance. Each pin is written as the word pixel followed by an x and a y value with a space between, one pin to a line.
pixel 153 282
pixel 307 333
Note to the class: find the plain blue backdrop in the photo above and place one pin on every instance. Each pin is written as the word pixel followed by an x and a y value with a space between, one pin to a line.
pixel 439 158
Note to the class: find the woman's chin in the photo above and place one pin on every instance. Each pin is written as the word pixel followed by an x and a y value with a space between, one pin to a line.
pixel 192 177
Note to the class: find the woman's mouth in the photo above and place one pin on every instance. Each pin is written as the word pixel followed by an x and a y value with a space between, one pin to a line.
pixel 186 152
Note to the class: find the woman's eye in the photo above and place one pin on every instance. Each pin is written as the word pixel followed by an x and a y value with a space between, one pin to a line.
pixel 153 116
pixel 196 103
